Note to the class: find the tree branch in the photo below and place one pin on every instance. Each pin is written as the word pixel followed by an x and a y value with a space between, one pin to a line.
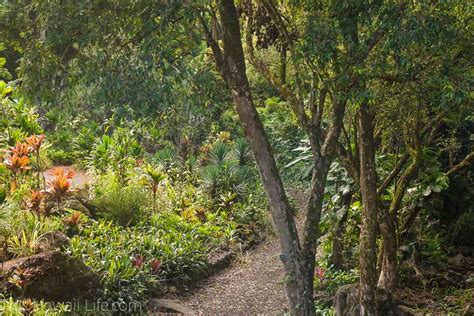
pixel 463 164
pixel 393 174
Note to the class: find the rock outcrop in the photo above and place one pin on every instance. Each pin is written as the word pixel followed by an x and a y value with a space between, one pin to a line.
pixel 52 276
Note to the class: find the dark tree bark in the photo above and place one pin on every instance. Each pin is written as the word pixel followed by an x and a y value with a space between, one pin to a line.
pixel 283 63
pixel 230 63
pixel 337 256
pixel 368 189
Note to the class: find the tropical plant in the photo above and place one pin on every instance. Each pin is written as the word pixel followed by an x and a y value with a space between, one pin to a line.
pixel 219 153
pixel 124 204
pixel 73 222
pixel 26 242
pixel 242 152
pixel 60 185
pixel 11 307
pixel 35 143
pixel 132 260
pixel 157 177
pixel 35 203
pixel 17 161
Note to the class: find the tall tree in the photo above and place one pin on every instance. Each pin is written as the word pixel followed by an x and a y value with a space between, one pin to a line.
pixel 231 64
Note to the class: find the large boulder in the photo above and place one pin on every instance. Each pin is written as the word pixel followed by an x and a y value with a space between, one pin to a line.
pixel 52 276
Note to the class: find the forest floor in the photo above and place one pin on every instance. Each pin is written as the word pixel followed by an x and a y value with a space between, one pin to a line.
pixel 253 284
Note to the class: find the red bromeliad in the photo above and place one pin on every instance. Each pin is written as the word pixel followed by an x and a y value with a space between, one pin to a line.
pixel 155 265
pixel 60 185
pixel 35 142
pixel 19 149
pixel 319 272
pixel 17 161
pixel 138 261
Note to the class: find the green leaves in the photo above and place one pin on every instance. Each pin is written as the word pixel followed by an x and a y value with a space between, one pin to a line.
pixel 156 175
pixel 181 247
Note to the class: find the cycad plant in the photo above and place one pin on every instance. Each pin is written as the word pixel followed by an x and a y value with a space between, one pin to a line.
pixel 228 168
pixel 241 152
pixel 219 153
pixel 156 177
pixel 165 157
pixel 211 179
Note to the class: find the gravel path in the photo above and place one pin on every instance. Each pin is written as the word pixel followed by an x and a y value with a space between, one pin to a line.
pixel 252 285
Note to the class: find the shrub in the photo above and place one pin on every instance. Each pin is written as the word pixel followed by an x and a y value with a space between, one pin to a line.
pixel 329 280
pixel 60 157
pixel 123 204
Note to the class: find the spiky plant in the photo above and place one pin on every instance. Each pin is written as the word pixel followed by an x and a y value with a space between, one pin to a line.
pixel 73 222
pixel 219 153
pixel 242 152
pixel 17 161
pixel 211 178
pixel 166 157
pixel 35 202
pixel 27 307
pixel 224 136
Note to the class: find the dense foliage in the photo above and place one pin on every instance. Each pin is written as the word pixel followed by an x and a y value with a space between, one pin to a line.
pixel 366 105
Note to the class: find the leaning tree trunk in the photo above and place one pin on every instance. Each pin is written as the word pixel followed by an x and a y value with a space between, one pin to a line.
pixel 230 63
pixel 368 189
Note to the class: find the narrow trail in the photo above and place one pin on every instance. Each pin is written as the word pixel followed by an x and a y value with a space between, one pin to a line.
pixel 252 284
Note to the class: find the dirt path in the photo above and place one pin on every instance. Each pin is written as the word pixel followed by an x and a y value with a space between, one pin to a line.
pixel 79 181
pixel 252 285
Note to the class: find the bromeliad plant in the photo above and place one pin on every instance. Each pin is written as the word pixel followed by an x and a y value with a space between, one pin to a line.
pixel 35 203
pixel 17 161
pixel 60 186
pixel 73 223
pixel 35 144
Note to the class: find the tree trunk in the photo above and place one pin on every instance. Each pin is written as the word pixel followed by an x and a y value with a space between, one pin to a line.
pixel 283 63
pixel 299 284
pixel 337 256
pixel 389 273
pixel 230 62
pixel 368 189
